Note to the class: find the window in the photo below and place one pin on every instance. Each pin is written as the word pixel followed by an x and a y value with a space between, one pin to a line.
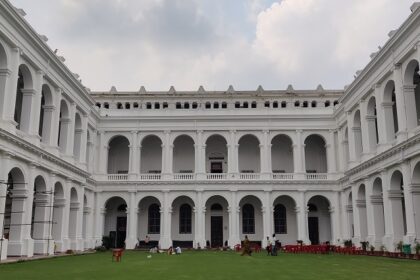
pixel 248 219
pixel 280 220
pixel 98 105
pixel 216 105
pixel 237 105
pixel 297 103
pixel 313 104
pixel 208 105
pixel 283 104
pixel 178 105
pixel 305 104
pixel 135 105
pixel 327 103
pixel 224 105
pixel 154 219
pixel 186 105
pixel 245 105
pixel 122 208
pixel 216 207
pixel 157 105
pixel 254 105
pixel 275 104
pixel 148 105
pixel 165 105
pixel 185 219
pixel 267 104
pixel 194 105
pixel 127 105
pixel 106 105
pixel 119 105
pixel 335 102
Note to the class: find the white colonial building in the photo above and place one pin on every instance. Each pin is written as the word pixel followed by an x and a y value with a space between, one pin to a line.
pixel 205 168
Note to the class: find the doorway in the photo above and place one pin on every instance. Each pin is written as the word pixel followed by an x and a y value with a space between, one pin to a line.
pixel 216 167
pixel 121 231
pixel 313 230
pixel 216 231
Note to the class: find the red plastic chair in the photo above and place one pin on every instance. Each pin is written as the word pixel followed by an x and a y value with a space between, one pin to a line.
pixel 117 254
pixel 237 248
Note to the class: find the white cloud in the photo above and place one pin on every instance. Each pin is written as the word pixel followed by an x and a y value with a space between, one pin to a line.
pixel 185 43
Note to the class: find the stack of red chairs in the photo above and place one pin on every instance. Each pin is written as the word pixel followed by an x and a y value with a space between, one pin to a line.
pixel 237 248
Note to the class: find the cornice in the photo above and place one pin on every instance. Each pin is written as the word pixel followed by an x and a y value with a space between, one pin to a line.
pixel 41 153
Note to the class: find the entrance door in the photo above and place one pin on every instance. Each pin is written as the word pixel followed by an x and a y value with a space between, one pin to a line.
pixel 313 230
pixel 216 167
pixel 216 231
pixel 121 231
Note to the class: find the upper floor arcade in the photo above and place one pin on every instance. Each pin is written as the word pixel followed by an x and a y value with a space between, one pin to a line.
pixel 217 155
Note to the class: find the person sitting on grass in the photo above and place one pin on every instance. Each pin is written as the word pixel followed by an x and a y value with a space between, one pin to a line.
pixel 247 247
pixel 178 250
pixel 170 250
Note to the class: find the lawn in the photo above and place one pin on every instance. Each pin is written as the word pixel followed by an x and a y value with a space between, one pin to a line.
pixel 213 265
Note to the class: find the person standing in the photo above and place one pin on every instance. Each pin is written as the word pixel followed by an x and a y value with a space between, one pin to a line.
pixel 268 248
pixel 247 247
pixel 274 245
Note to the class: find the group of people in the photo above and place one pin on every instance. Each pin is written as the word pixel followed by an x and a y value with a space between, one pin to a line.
pixel 271 248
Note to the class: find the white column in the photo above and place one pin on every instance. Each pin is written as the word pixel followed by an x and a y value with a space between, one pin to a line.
pixel 335 218
pixel 167 162
pixel 132 213
pixel 410 106
pixel 11 89
pixel 134 155
pixel 357 206
pixel 36 104
pixel 267 213
pixel 410 236
pixel 302 219
pixel 55 121
pixel 401 105
pixel 233 210
pixel 70 137
pixel 83 141
pixel 366 150
pixel 381 121
pixel 79 232
pixel 200 222
pixel 371 235
pixel 28 97
pixel 299 155
pixel 200 156
pixel 66 239
pixel 99 213
pixel 330 147
pixel 376 222
pixel 233 147
pixel 352 145
pixel 103 153
pixel 5 160
pixel 166 222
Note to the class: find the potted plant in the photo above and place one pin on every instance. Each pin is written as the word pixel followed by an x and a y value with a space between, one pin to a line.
pixel 372 250
pixel 348 243
pixel 365 245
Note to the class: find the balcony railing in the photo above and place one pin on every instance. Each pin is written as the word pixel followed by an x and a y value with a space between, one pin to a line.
pixel 249 176
pixel 184 176
pixel 316 176
pixel 214 176
pixel 282 176
pixel 150 177
pixel 117 177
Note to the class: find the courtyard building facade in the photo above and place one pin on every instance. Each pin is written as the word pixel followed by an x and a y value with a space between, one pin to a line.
pixel 205 168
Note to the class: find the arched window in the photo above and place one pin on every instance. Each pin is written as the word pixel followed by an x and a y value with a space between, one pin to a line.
pixel 154 219
pixel 313 104
pixel 186 105
pixel 157 105
pixel 119 105
pixel 208 105
pixel 305 104
pixel 245 105
pixel 248 219
pixel 122 208
pixel 194 105
pixel 185 219
pixel 327 103
pixel 254 105
pixel 275 104
pixel 297 103
pixel 216 105
pixel 98 105
pixel 280 220
pixel 127 105
pixel 267 104
pixel 224 105
pixel 106 105
pixel 283 104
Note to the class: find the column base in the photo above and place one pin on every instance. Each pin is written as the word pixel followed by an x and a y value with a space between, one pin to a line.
pixel 21 248
pixel 409 238
pixel 130 243
pixel 77 244
pixel 199 243
pixel 388 242
pixel 165 243
pixel 89 244
pixel 3 249
pixel 234 240
pixel 43 247
pixel 356 241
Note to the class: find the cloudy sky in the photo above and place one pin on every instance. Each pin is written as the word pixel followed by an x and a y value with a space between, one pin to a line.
pixel 215 43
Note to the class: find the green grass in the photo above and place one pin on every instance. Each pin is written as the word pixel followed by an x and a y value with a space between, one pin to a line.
pixel 213 265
